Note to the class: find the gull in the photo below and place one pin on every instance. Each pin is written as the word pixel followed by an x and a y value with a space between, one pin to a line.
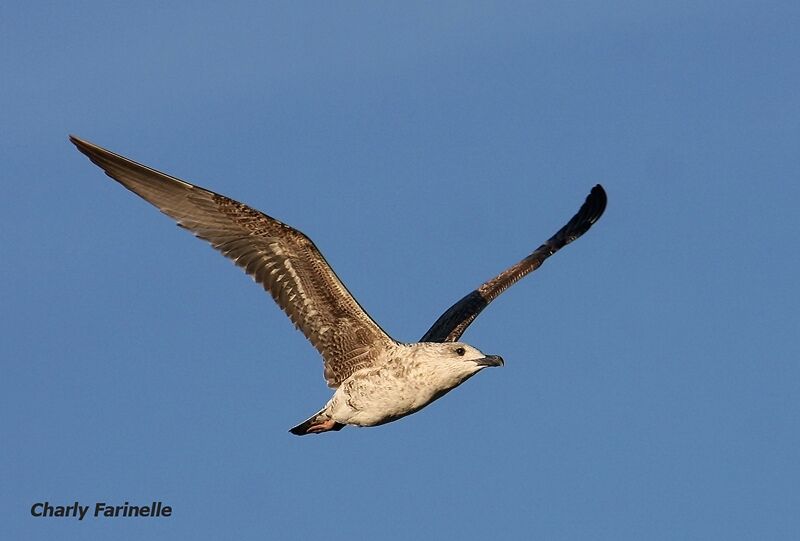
pixel 376 378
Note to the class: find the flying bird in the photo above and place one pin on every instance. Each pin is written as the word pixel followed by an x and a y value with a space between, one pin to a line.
pixel 376 378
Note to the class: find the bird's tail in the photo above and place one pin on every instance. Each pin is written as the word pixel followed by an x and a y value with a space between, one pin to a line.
pixel 319 422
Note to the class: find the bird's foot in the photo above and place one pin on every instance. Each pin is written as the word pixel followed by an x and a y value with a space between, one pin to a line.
pixel 322 427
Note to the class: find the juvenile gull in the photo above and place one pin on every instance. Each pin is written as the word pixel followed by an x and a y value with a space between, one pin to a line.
pixel 377 379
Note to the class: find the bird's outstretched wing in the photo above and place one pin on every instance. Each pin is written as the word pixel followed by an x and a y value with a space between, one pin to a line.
pixel 280 258
pixel 452 324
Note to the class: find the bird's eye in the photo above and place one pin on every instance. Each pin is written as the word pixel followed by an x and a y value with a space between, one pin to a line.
pixel 460 351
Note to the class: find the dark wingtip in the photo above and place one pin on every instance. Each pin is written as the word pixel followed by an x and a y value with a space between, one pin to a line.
pixel 85 147
pixel 596 203
pixel 591 211
pixel 75 140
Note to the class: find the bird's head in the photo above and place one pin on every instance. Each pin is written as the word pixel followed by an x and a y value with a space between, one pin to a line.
pixel 455 360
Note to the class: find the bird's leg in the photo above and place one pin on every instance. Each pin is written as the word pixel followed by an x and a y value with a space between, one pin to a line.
pixel 322 427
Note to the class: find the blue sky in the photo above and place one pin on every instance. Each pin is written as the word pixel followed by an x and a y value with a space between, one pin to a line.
pixel 650 386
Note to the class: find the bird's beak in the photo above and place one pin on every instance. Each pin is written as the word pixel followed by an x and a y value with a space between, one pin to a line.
pixel 490 360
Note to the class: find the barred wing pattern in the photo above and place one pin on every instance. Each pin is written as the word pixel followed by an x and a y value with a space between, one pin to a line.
pixel 283 260
pixel 452 324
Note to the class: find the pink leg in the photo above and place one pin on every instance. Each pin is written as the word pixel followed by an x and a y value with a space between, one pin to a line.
pixel 322 427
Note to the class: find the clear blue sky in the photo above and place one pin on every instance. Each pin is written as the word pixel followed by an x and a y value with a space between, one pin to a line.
pixel 652 368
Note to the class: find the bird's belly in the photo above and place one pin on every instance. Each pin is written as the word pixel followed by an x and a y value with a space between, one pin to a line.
pixel 370 402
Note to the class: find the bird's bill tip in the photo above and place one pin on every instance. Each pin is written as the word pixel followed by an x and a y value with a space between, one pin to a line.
pixel 491 360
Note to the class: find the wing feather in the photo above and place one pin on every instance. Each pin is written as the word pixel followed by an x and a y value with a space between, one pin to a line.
pixel 282 259
pixel 455 320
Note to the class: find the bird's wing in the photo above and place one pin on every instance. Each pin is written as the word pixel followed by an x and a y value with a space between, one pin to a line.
pixel 452 324
pixel 280 258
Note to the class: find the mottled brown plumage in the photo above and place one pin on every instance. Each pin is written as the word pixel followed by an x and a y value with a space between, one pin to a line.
pixel 377 379
pixel 277 256
pixel 455 320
